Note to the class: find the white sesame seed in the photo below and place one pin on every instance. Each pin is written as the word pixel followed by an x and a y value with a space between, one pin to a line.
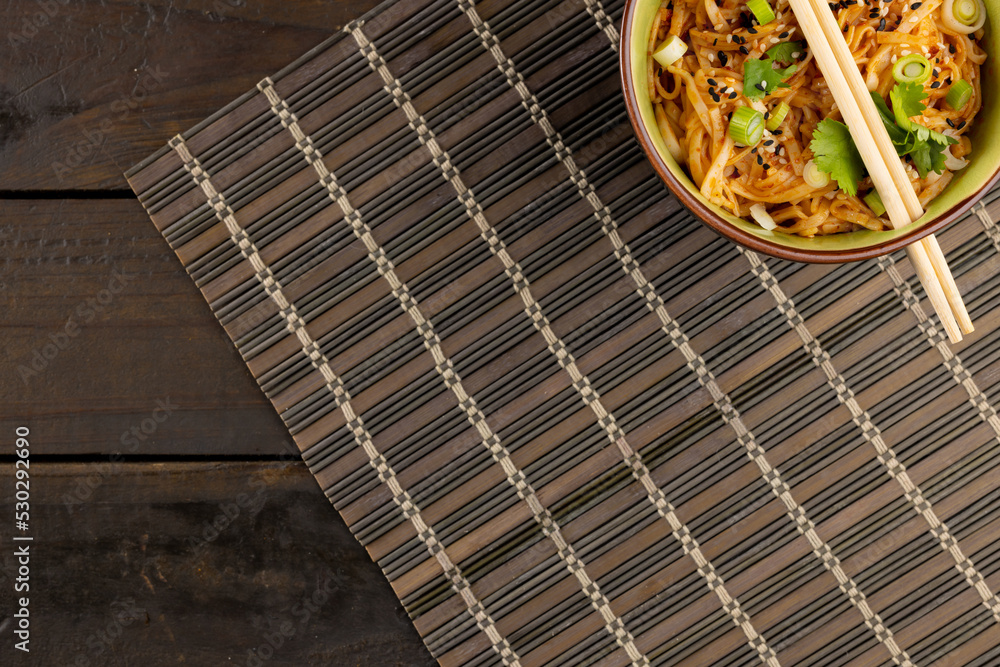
pixel 711 57
pixel 729 38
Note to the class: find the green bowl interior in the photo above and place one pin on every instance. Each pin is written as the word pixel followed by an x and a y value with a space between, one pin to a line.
pixel 983 163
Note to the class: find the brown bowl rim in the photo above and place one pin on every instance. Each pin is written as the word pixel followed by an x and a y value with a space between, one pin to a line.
pixel 723 227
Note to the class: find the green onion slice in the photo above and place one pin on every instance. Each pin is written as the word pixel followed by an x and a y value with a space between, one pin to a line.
pixel 963 16
pixel 874 202
pixel 777 115
pixel 914 68
pixel 746 126
pixel 959 94
pixel 814 176
pixel 763 12
pixel 966 11
pixel 670 51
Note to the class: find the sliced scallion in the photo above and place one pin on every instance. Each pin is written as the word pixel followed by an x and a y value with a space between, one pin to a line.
pixel 746 126
pixel 963 16
pixel 914 68
pixel 670 51
pixel 763 218
pixel 814 176
pixel 778 115
pixel 959 94
pixel 874 202
pixel 966 11
pixel 762 11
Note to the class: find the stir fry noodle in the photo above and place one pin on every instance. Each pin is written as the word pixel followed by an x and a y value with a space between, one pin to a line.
pixel 741 104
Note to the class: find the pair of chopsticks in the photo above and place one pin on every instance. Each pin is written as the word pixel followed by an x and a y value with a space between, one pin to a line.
pixel 829 48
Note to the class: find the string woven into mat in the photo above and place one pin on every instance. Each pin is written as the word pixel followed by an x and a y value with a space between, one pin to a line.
pixel 571 425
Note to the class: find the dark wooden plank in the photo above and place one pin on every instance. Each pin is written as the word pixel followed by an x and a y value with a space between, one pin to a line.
pixel 85 365
pixel 126 569
pixel 101 85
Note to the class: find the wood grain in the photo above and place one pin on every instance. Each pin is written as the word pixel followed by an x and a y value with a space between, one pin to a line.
pixel 91 284
pixel 100 85
pixel 199 564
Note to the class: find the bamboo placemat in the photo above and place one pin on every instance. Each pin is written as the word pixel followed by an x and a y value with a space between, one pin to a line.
pixel 571 425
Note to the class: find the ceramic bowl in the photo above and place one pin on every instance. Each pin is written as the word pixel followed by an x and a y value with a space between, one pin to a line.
pixel 965 189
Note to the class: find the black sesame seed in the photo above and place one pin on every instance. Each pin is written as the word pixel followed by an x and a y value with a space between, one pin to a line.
pixel 936 73
pixel 744 50
pixel 873 14
pixel 759 86
pixel 723 58
pixel 881 25
pixel 760 160
pixel 713 82
pixel 960 125
pixel 916 5
pixel 948 81
pixel 752 30
pixel 936 84
pixel 732 95
pixel 769 142
pixel 783 35
pixel 766 167
pixel 777 132
pixel 950 122
pixel 834 6
pixel 716 41
pixel 767 114
pixel 951 48
pixel 753 150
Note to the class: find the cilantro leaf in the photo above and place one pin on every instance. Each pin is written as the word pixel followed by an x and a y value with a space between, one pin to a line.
pixel 760 77
pixel 834 152
pixel 786 52
pixel 942 139
pixel 901 139
pixel 928 156
pixel 907 100
pixel 924 146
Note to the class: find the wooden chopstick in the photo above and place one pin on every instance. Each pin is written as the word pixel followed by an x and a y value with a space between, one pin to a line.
pixel 824 37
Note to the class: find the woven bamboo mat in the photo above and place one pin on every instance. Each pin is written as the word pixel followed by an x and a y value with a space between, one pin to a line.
pixel 571 425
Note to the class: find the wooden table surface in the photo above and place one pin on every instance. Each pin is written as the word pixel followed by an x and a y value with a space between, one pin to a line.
pixel 172 519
